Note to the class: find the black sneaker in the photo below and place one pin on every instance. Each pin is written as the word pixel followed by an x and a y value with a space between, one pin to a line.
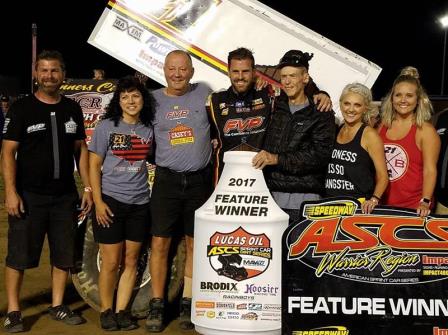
pixel 108 320
pixel 185 314
pixel 125 321
pixel 155 321
pixel 13 322
pixel 64 314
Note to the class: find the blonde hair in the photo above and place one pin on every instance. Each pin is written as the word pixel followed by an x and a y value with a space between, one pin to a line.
pixel 366 94
pixel 410 71
pixel 424 109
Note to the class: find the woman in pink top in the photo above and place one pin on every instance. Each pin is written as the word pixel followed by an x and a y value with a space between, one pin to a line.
pixel 411 144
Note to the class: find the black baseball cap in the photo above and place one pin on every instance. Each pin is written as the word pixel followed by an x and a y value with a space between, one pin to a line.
pixel 295 58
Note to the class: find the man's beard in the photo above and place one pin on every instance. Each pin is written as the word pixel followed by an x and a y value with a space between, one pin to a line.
pixel 49 89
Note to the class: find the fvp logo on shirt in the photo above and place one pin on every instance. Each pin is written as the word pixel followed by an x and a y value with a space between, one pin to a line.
pixel 35 127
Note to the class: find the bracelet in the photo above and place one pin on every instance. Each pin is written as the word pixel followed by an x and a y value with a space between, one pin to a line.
pixel 376 197
pixel 88 189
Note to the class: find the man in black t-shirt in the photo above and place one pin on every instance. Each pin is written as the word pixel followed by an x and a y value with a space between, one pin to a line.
pixel 42 135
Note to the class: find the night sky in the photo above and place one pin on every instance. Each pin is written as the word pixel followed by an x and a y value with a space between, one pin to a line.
pixel 390 33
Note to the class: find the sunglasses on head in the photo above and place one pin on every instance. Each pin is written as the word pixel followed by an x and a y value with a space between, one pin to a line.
pixel 293 59
pixel 297 59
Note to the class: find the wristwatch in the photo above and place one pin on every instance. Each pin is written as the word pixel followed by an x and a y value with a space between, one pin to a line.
pixel 426 201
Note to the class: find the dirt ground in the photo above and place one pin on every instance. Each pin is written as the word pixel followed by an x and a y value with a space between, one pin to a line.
pixel 36 297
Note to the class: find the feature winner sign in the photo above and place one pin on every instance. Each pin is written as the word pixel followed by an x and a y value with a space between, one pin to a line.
pixel 237 254
pixel 344 272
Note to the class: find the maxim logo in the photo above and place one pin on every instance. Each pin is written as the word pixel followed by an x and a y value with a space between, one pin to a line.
pixel 123 25
pixel 439 331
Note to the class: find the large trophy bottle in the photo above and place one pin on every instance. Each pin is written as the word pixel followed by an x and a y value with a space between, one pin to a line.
pixel 237 254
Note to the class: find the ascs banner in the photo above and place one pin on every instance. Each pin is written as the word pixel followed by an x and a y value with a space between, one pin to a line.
pixel 344 272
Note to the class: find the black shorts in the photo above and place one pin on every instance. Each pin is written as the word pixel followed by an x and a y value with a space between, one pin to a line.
pixel 174 199
pixel 44 214
pixel 130 222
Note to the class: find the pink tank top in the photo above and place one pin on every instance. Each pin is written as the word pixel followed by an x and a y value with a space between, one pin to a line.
pixel 405 168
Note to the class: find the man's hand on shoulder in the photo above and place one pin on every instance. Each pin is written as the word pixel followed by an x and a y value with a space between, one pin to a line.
pixel 260 82
pixel 323 102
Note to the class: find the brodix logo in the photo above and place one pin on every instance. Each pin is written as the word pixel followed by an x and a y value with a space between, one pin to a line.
pixel 337 239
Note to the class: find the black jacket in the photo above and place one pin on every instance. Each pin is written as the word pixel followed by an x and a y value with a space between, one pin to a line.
pixel 304 142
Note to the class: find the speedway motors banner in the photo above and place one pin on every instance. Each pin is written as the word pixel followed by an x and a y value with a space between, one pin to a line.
pixel 141 33
pixel 344 272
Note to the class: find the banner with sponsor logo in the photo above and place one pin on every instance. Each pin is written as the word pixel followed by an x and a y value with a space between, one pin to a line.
pixel 344 272
pixel 93 96
pixel 141 33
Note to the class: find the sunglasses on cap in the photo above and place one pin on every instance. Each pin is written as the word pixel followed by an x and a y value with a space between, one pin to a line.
pixel 296 60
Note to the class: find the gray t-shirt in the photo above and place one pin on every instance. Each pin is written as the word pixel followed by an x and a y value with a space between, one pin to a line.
pixel 125 149
pixel 182 129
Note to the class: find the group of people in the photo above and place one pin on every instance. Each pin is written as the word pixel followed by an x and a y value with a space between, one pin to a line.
pixel 184 129
pixel 395 164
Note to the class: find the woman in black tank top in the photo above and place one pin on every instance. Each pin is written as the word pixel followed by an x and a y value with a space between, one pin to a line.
pixel 358 166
